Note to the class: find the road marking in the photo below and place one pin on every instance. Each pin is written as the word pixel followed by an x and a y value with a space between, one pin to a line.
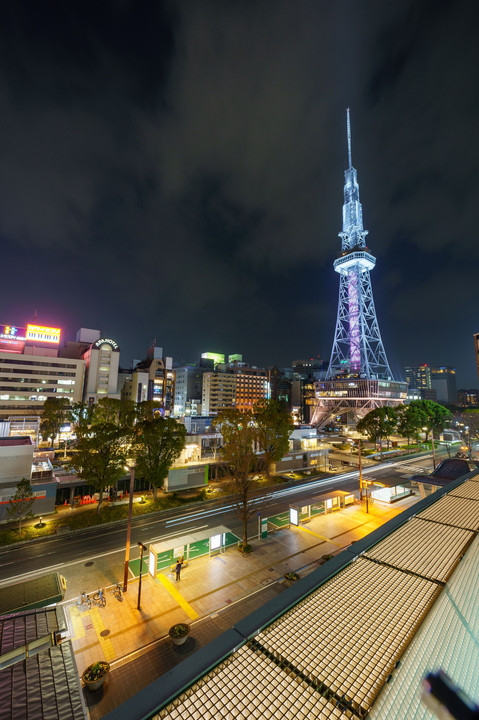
pixel 321 537
pixel 176 595
pixel 105 643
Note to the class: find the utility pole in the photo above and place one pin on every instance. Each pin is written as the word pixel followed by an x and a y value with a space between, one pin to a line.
pixel 361 477
pixel 131 468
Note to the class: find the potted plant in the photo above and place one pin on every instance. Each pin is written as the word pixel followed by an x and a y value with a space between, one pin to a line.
pixel 95 674
pixel 179 632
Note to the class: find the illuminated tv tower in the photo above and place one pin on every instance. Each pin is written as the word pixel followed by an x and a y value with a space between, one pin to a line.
pixel 359 378
pixel 357 348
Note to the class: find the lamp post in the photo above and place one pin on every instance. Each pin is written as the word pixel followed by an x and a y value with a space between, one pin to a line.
pixel 469 445
pixel 131 468
pixel 142 548
pixel 361 476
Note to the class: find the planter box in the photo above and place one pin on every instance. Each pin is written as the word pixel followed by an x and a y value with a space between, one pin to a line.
pixel 98 682
pixel 179 639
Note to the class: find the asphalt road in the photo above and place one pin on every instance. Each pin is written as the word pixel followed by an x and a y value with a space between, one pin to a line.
pixel 59 552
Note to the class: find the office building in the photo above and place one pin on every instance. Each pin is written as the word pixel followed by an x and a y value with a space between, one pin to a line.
pixel 189 386
pixel 468 398
pixel 443 381
pixel 218 392
pixel 31 370
pixel 152 379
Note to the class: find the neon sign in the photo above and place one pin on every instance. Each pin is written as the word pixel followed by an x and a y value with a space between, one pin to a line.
pixel 43 334
pixel 11 332
pixel 106 341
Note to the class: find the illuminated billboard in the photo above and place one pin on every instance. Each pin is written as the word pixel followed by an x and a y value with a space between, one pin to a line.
pixel 39 333
pixel 11 332
pixel 217 357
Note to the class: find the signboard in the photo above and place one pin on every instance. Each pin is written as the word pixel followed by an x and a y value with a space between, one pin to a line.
pixel 40 333
pixel 293 516
pixel 11 332
pixel 107 341
pixel 264 528
pixel 152 564
pixel 179 552
pixel 217 357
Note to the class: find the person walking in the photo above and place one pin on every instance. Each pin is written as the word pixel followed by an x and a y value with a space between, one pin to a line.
pixel 178 570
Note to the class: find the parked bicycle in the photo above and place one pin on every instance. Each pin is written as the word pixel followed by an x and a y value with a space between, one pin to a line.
pixel 117 592
pixel 99 598
pixel 84 600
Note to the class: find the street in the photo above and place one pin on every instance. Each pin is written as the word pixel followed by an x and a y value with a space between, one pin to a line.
pixel 105 544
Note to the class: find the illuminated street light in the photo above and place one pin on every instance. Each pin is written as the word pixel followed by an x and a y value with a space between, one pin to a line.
pixel 361 477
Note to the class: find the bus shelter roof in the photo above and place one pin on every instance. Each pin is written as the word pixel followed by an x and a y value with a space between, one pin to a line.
pixel 320 498
pixel 172 543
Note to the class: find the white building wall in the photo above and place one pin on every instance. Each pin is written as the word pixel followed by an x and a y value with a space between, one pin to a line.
pixel 15 463
pixel 27 380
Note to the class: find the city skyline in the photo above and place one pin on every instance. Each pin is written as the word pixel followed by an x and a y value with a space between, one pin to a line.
pixel 176 172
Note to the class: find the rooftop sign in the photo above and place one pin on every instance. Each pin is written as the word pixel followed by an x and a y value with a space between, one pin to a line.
pixel 107 341
pixel 39 333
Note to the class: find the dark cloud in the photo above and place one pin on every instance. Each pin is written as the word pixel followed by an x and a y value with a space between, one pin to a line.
pixel 175 170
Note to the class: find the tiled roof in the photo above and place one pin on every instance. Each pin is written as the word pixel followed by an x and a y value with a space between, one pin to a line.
pixel 426 548
pixel 334 649
pixel 46 683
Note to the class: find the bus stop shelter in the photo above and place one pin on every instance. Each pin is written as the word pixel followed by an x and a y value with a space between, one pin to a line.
pixel 210 542
pixel 319 505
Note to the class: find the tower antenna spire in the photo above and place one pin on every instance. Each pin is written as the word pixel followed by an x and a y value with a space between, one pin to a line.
pixel 349 136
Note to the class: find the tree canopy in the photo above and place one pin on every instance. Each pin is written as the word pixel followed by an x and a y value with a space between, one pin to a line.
pixel 157 442
pixel 239 436
pixel 20 504
pixel 378 424
pixel 102 445
pixel 274 426
pixel 54 415
pixel 408 420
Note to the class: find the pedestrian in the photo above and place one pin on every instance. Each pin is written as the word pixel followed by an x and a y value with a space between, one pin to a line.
pixel 178 570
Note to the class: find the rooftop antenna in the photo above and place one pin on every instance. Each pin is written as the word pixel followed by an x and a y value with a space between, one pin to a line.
pixel 349 137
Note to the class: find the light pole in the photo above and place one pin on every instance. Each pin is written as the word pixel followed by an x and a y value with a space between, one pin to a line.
pixel 142 548
pixel 361 477
pixel 131 468
pixel 469 446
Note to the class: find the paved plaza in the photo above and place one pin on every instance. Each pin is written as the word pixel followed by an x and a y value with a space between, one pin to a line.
pixel 211 596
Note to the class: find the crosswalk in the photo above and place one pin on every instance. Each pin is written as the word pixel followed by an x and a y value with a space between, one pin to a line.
pixel 409 470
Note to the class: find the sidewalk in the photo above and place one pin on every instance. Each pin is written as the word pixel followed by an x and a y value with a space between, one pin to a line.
pixel 212 595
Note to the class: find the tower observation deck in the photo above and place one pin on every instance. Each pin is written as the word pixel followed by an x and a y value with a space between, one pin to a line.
pixel 359 377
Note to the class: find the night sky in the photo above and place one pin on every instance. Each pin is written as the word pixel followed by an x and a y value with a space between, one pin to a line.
pixel 175 171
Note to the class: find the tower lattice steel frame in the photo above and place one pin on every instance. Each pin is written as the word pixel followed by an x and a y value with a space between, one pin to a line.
pixel 357 347
pixel 358 378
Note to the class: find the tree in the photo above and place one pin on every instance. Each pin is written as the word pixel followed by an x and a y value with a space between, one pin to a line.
pixel 412 419
pixel 378 424
pixel 239 437
pixel 21 503
pixel 436 415
pixel 54 415
pixel 274 426
pixel 157 443
pixel 102 445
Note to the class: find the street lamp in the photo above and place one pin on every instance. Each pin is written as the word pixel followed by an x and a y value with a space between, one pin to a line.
pixel 131 468
pixel 142 549
pixel 361 477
